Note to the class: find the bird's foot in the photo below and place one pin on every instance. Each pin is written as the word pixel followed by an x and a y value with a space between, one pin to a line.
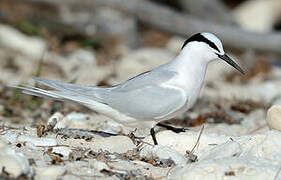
pixel 174 129
pixel 152 133
pixel 178 130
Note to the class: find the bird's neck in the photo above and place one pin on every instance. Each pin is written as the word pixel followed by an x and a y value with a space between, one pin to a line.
pixel 190 63
pixel 191 70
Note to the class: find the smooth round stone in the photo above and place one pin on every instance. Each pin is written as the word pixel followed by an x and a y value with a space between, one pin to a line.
pixel 274 117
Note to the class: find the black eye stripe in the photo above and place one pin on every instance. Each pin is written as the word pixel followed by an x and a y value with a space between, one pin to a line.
pixel 200 38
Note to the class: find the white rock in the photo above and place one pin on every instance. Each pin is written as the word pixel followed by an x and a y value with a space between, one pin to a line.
pixel 265 92
pixel 265 146
pixel 185 141
pixel 228 149
pixel 83 56
pixel 258 15
pixel 51 172
pixel 231 168
pixel 10 137
pixel 274 117
pixel 15 163
pixel 98 165
pixel 64 151
pixel 74 116
pixel 81 18
pixel 73 69
pixel 162 152
pixel 277 101
pixel 119 144
pixel 141 60
pixel 64 123
pixel 54 119
pixel 245 157
pixel 38 141
pixel 251 123
pixel 146 169
pixel 175 44
pixel 108 20
pixel 269 91
pixel 71 119
pixel 13 39
pixel 111 22
pixel 2 144
pixel 83 169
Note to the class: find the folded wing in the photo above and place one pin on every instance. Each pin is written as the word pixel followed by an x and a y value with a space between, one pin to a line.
pixel 143 96
pixel 148 102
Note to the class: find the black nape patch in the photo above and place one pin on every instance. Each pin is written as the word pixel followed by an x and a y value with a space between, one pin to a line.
pixel 200 38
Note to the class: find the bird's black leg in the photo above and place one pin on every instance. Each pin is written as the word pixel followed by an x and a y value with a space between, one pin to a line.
pixel 152 132
pixel 174 129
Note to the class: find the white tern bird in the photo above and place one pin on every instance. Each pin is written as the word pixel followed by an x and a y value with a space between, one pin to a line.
pixel 150 97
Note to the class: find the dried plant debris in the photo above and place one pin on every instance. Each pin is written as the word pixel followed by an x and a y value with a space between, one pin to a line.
pixel 136 140
pixel 106 156
pixel 66 133
pixel 247 106
pixel 132 174
pixel 131 155
pixel 223 111
pixel 153 38
pixel 217 116
pixel 14 102
pixel 229 173
pixel 6 176
pixel 103 156
pixel 56 158
pixel 41 131
pixel 163 163
pixel 87 135
pixel 261 67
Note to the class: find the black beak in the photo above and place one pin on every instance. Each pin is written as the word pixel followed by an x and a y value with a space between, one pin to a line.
pixel 227 59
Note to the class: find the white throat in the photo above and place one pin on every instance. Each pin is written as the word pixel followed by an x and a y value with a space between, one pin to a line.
pixel 191 62
pixel 191 69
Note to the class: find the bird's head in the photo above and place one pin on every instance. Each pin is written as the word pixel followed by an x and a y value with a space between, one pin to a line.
pixel 208 47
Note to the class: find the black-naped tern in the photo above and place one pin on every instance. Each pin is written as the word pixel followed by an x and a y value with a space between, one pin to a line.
pixel 150 97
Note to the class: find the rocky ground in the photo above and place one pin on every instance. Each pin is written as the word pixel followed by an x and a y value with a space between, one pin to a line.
pixel 231 133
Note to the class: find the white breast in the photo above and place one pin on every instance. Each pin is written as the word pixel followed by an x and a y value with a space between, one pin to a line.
pixel 191 81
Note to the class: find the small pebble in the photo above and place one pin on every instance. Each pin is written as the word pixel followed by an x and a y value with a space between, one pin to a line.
pixel 11 38
pixel 64 151
pixel 15 163
pixel 274 117
pixel 49 172
pixel 162 152
pixel 53 120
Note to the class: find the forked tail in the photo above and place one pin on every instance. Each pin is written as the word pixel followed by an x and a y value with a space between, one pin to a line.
pixel 63 91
